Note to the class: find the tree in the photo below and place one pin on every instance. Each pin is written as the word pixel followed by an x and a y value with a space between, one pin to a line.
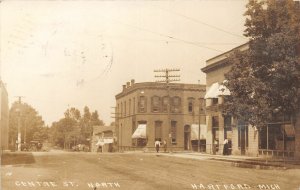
pixel 32 124
pixel 264 80
pixel 74 128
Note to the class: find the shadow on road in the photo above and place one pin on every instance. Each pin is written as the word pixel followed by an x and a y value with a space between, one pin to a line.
pixel 17 158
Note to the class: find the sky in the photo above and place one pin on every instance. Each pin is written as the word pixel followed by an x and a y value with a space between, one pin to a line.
pixel 61 54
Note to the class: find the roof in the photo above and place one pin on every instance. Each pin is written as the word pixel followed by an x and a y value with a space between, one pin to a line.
pixel 99 129
pixel 159 85
pixel 221 60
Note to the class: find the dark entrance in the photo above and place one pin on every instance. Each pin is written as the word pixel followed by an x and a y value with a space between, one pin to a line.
pixel 243 138
pixel 187 137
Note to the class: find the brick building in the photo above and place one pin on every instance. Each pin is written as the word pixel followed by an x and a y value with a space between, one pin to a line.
pixel 283 137
pixel 3 117
pixel 143 115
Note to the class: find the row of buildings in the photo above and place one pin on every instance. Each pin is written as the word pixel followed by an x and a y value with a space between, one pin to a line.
pixel 4 110
pixel 189 117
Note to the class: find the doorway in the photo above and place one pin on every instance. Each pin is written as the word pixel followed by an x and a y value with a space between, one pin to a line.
pixel 187 137
pixel 243 138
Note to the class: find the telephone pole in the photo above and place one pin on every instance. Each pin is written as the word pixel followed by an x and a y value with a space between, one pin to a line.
pixel 117 116
pixel 167 79
pixel 19 140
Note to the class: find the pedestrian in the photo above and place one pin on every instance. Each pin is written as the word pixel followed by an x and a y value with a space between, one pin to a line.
pixel 165 145
pixel 157 145
pixel 225 147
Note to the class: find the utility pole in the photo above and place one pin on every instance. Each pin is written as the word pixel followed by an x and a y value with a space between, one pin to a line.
pixel 117 116
pixel 19 123
pixel 167 79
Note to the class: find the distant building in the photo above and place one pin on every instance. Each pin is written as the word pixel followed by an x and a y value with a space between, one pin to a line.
pixel 103 138
pixel 144 114
pixel 4 110
pixel 283 137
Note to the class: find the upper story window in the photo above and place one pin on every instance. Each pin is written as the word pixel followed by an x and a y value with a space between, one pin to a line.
pixel 121 114
pixel 142 104
pixel 155 104
pixel 190 105
pixel 133 105
pixel 214 101
pixel 125 108
pixel 129 105
pixel 165 102
pixel 227 121
pixel 202 104
pixel 176 103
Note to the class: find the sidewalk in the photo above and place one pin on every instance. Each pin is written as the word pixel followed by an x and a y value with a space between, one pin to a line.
pixel 240 161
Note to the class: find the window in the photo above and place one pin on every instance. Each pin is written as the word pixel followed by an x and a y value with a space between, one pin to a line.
pixel 133 105
pixel 165 104
pixel 214 101
pixel 129 111
pixel 190 105
pixel 121 110
pixel 227 121
pixel 173 131
pixel 125 108
pixel 118 111
pixel 158 133
pixel 155 104
pixel 142 104
pixel 176 104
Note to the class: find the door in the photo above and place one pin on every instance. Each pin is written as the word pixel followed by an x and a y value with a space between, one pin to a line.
pixel 243 138
pixel 187 137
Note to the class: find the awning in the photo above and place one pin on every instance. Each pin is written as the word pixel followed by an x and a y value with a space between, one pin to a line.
pixel 216 90
pixel 108 140
pixel 102 142
pixel 212 91
pixel 140 132
pixel 195 131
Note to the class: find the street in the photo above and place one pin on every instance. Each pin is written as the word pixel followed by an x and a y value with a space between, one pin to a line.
pixel 134 171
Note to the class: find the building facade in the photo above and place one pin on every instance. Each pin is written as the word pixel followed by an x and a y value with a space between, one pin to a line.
pixel 148 111
pixel 278 139
pixel 103 139
pixel 4 111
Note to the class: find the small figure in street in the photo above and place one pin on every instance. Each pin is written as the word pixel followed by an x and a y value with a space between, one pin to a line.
pixel 157 145
pixel 165 145
pixel 225 147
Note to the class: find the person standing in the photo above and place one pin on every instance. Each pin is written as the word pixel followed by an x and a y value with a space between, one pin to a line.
pixel 165 145
pixel 157 145
pixel 225 147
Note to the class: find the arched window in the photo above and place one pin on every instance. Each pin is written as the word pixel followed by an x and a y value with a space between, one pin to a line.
pixel 190 105
pixel 155 104
pixel 142 104
pixel 165 102
pixel 176 104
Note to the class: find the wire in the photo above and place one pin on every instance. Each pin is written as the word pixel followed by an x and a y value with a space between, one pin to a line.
pixel 166 35
pixel 201 22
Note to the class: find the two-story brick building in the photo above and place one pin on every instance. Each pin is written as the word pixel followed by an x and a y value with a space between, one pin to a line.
pixel 281 137
pixel 146 113
pixel 4 111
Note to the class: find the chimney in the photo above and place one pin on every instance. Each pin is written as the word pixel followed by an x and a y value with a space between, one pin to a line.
pixel 128 84
pixel 132 82
pixel 124 87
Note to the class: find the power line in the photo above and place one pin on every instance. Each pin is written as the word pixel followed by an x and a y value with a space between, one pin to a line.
pixel 166 35
pixel 200 22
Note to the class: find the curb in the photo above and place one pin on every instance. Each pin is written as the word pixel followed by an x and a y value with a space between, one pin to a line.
pixel 258 166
